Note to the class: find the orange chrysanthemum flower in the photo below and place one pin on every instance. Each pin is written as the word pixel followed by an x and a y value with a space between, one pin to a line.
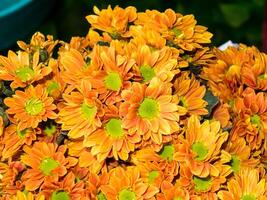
pixel 150 110
pixel 127 184
pixel 115 22
pixel 176 28
pixel 27 196
pixel 202 143
pixel 170 191
pixel 245 185
pixel 64 190
pixel 190 94
pixel 31 107
pixel 21 69
pixel 46 162
pixel 80 112
pixel 221 113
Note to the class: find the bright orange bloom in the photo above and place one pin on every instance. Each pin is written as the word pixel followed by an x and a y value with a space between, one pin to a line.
pixel 201 144
pixel 27 196
pixel 150 110
pixel 81 111
pixel 221 114
pixel 65 189
pixel 127 184
pixel 170 191
pixel 46 162
pixel 21 69
pixel 176 28
pixel 31 107
pixel 245 185
pixel 190 94
pixel 114 21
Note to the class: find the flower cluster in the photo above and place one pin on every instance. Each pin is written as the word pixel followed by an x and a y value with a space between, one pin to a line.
pixel 140 108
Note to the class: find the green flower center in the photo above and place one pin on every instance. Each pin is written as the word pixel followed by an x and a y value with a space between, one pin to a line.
pixel 60 195
pixel 34 106
pixel 262 76
pixel 183 102
pixel 200 150
pixel 167 152
pixel 177 32
pixel 47 165
pixel 101 196
pixel 235 163
pixel 22 133
pixel 114 128
pixel 113 81
pixel 255 119
pixel 147 72
pixel 25 73
pixel 152 176
pixel 52 86
pixel 89 112
pixel 248 197
pixel 126 195
pixel 148 109
pixel 202 184
pixel 50 130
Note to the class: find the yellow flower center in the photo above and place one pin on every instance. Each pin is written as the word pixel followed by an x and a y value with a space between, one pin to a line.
pixel 177 32
pixel 25 73
pixel 113 81
pixel 202 184
pixel 22 133
pixel 126 195
pixel 148 109
pixel 52 86
pixel 47 165
pixel 235 163
pixel 201 150
pixel 101 196
pixel 60 195
pixel 152 176
pixel 34 106
pixel 89 112
pixel 256 120
pixel 177 198
pixel 262 76
pixel 147 72
pixel 167 152
pixel 114 128
pixel 248 197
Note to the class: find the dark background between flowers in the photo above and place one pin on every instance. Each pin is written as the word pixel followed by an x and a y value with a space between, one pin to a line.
pixel 236 20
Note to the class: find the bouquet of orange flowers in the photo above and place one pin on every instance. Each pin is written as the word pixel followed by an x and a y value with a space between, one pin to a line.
pixel 142 107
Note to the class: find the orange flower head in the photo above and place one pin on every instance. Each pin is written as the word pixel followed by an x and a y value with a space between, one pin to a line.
pixel 31 107
pixel 27 196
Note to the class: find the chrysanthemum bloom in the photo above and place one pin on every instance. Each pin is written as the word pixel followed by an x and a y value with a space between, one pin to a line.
pixel 39 43
pixel 93 184
pixel 81 111
pixel 176 28
pixel 221 114
pixel 170 191
pixel 31 107
pixel 163 160
pixel 113 21
pixel 160 63
pixel 238 155
pixel 21 70
pixel 151 111
pixel 46 161
pixel 246 185
pixel 27 196
pixel 190 94
pixel 13 139
pixel 202 57
pixel 127 184
pixel 67 189
pixel 251 122
pixel 114 76
pixel 201 145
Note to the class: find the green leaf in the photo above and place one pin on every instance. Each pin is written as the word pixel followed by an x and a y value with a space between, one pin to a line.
pixel 212 102
pixel 235 14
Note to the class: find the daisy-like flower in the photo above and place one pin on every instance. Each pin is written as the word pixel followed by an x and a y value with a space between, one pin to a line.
pixel 113 139
pixel 201 145
pixel 170 191
pixel 21 70
pixel 81 110
pixel 113 21
pixel 127 184
pixel 190 94
pixel 151 110
pixel 27 196
pixel 31 107
pixel 246 185
pixel 252 118
pixel 176 28
pixel 64 190
pixel 46 162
